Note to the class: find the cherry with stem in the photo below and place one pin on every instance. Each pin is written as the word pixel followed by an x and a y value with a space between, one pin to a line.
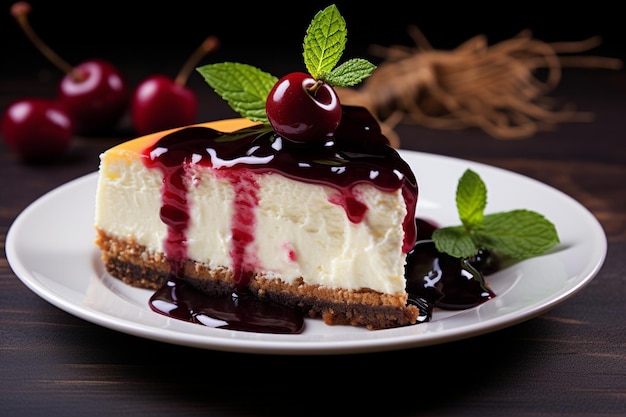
pixel 160 102
pixel 94 93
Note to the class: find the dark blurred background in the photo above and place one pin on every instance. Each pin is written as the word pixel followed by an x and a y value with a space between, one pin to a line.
pixel 156 37
pixel 171 30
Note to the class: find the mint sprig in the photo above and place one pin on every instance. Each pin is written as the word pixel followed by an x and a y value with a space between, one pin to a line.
pixel 245 88
pixel 518 234
pixel 324 44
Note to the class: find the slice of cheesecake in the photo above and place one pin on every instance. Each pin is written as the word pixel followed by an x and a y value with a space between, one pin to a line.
pixel 229 206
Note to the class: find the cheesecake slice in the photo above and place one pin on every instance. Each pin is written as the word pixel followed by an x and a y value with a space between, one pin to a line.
pixel 230 206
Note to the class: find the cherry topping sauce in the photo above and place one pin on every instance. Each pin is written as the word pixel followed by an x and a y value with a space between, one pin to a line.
pixel 239 311
pixel 357 153
pixel 435 279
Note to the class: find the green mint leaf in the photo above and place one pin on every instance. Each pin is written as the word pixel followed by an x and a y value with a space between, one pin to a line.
pixel 519 234
pixel 350 73
pixel 455 241
pixel 324 42
pixel 471 199
pixel 244 87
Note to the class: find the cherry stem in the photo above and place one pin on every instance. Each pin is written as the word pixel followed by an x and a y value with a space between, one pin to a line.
pixel 313 89
pixel 20 11
pixel 210 44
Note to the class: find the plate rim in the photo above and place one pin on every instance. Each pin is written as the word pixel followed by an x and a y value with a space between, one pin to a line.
pixel 275 345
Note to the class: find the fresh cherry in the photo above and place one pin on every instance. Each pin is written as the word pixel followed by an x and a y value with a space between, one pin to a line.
pixel 302 109
pixel 94 92
pixel 160 102
pixel 37 129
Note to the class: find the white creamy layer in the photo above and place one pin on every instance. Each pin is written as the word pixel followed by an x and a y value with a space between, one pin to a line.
pixel 298 233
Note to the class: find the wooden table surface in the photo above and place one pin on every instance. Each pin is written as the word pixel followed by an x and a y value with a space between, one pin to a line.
pixel 569 361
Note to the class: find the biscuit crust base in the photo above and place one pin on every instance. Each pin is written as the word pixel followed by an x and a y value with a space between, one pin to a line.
pixel 132 264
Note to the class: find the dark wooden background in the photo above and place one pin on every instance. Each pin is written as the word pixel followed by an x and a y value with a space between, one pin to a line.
pixel 569 361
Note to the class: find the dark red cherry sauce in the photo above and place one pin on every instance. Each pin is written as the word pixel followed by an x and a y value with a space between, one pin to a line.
pixel 435 279
pixel 358 153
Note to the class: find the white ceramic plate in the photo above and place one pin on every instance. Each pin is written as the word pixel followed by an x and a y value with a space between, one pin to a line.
pixel 50 248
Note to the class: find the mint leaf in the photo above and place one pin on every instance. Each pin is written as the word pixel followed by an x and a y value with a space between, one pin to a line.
pixel 517 234
pixel 350 73
pixel 324 42
pixel 455 241
pixel 244 87
pixel 471 199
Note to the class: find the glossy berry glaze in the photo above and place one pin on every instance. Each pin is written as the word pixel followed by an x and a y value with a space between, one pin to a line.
pixel 358 153
pixel 435 279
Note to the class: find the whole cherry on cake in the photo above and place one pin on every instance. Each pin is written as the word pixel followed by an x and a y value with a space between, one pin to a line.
pixel 301 107
pixel 94 92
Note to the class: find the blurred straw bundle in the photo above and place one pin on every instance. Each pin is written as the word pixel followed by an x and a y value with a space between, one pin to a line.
pixel 502 89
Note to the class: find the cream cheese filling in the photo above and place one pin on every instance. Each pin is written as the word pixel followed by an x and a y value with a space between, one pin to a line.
pixel 298 232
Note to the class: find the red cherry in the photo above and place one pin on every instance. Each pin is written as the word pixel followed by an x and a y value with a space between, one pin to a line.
pixel 160 102
pixel 37 129
pixel 94 92
pixel 302 109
